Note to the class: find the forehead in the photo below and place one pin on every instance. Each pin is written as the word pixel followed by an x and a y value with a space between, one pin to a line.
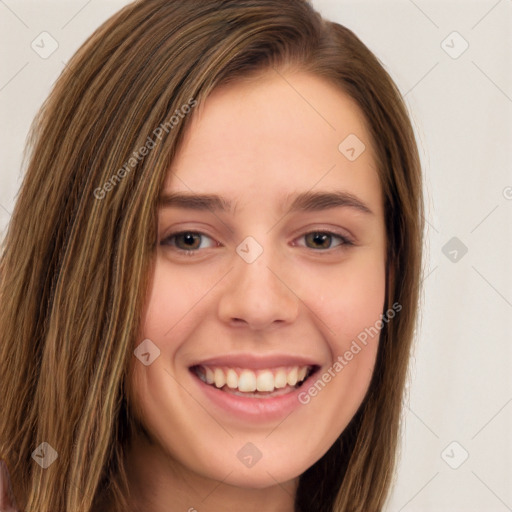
pixel 274 134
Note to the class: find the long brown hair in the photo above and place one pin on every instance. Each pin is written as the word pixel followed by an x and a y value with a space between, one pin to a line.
pixel 77 255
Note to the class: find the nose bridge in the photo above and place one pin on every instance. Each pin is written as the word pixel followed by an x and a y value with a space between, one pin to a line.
pixel 256 293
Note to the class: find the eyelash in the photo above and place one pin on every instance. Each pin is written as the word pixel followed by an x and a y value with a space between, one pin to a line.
pixel 345 241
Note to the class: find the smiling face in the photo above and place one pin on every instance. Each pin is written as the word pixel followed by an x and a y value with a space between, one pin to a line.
pixel 267 283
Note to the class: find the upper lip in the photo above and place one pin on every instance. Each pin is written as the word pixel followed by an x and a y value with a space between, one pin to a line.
pixel 254 362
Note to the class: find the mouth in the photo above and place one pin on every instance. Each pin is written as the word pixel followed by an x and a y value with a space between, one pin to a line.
pixel 264 383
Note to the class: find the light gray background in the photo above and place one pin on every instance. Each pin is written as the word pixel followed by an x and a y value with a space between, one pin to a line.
pixel 460 388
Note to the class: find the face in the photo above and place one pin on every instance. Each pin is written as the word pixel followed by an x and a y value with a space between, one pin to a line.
pixel 270 263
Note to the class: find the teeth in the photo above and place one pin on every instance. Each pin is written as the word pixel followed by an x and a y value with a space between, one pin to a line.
pixel 232 379
pixel 248 381
pixel 220 378
pixel 280 379
pixel 265 381
pixel 292 377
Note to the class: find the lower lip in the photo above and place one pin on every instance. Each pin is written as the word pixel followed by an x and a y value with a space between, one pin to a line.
pixel 252 409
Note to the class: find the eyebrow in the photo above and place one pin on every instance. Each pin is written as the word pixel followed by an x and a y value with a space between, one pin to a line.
pixel 303 202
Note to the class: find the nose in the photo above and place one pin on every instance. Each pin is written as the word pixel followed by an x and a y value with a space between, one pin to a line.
pixel 257 295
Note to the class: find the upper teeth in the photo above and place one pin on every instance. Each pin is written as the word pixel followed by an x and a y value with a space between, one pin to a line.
pixel 248 380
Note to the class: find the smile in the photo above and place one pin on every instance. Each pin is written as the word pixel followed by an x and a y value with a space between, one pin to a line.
pixel 249 390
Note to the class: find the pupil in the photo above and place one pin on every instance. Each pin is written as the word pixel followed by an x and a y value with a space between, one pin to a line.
pixel 320 239
pixel 189 239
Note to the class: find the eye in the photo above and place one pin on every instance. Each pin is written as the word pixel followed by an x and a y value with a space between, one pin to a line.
pixel 323 239
pixel 190 242
pixel 187 242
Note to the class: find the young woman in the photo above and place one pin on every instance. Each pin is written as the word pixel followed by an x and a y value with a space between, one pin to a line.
pixel 210 281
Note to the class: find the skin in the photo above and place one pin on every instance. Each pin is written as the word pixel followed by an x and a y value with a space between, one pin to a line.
pixel 257 143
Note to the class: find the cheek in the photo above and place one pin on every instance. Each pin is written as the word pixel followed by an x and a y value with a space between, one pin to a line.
pixel 168 318
pixel 347 298
pixel 348 303
pixel 170 304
